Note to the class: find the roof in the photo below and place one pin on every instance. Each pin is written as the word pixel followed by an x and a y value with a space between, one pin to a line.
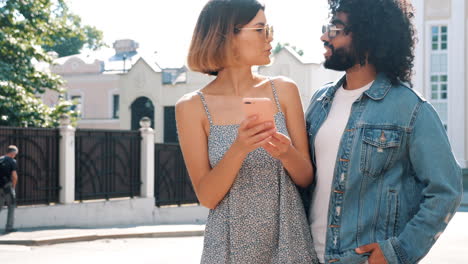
pixel 113 63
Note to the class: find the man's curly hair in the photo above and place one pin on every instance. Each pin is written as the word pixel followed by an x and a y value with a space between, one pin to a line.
pixel 383 34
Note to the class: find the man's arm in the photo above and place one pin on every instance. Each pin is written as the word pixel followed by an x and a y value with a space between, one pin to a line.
pixel 14 178
pixel 435 166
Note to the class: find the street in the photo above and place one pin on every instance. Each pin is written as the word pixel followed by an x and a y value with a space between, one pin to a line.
pixel 451 248
pixel 186 250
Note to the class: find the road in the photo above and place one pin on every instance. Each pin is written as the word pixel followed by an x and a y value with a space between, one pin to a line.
pixel 451 248
pixel 184 250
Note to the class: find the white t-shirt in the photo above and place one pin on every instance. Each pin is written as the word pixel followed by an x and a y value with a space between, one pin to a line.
pixel 327 142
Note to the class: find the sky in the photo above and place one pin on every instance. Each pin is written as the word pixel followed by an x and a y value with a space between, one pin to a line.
pixel 166 26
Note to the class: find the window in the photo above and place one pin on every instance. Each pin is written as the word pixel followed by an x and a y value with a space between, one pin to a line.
pixel 174 75
pixel 115 106
pixel 439 71
pixel 77 104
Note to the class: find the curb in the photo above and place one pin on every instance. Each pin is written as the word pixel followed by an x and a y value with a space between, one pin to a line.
pixel 92 237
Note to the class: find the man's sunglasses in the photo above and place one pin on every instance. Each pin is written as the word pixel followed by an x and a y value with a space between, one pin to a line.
pixel 332 30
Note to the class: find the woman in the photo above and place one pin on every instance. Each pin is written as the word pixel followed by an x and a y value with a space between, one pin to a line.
pixel 243 171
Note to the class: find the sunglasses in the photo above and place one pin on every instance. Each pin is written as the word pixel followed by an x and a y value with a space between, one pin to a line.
pixel 332 30
pixel 267 29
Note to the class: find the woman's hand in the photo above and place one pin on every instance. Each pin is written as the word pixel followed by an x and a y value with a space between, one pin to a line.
pixel 278 146
pixel 251 136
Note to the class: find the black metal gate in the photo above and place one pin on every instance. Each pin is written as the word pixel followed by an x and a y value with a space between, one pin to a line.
pixel 172 184
pixel 38 163
pixel 170 128
pixel 107 164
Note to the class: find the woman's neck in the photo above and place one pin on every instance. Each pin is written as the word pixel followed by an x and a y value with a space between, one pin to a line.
pixel 235 81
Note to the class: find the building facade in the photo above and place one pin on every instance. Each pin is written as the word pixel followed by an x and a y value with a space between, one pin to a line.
pixel 441 64
pixel 114 90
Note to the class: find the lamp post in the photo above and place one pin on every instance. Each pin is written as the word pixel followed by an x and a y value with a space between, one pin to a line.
pixel 124 59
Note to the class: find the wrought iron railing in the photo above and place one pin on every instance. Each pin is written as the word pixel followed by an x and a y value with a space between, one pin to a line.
pixel 37 161
pixel 107 164
pixel 172 184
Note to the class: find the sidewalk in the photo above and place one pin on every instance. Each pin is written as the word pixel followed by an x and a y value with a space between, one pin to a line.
pixel 39 237
pixel 455 237
pixel 452 245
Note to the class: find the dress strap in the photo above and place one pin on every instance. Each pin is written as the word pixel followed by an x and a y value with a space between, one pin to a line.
pixel 275 95
pixel 202 97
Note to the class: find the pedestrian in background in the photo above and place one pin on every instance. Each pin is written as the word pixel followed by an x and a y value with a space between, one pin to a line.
pixel 8 180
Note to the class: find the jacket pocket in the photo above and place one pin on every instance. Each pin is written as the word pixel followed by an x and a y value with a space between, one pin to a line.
pixel 379 148
pixel 391 224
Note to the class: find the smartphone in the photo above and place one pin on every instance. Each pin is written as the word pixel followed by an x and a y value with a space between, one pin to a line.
pixel 262 107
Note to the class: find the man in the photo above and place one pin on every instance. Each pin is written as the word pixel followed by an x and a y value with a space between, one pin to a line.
pixel 387 183
pixel 8 180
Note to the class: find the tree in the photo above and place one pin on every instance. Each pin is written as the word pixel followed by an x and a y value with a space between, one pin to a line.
pixel 280 46
pixel 25 26
pixel 70 39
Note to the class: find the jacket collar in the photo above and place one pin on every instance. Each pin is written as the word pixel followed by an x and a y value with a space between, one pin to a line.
pixel 376 92
pixel 379 88
pixel 330 92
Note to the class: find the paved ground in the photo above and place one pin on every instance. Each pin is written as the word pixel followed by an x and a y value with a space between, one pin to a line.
pixel 151 245
pixel 184 250
pixel 34 237
pixel 452 246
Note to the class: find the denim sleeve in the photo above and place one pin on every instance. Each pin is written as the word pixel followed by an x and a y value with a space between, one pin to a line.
pixel 434 165
pixel 308 113
pixel 309 110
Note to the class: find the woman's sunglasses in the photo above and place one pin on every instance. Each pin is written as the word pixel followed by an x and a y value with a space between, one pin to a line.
pixel 268 29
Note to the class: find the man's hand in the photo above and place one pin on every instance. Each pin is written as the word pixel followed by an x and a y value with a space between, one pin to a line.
pixel 13 194
pixel 376 254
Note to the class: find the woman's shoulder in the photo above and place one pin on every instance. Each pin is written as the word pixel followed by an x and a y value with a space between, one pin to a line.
pixel 285 86
pixel 283 80
pixel 189 102
pixel 193 98
pixel 188 98
pixel 282 83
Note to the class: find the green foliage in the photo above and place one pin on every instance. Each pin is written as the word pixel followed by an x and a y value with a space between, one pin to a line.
pixel 25 26
pixel 280 46
pixel 69 36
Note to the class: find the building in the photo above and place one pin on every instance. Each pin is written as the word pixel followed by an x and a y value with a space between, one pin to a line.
pixel 115 88
pixel 441 65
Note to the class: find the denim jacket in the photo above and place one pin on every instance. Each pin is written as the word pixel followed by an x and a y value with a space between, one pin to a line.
pixel 396 181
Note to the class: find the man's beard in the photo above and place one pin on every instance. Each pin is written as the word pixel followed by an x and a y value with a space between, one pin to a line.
pixel 340 60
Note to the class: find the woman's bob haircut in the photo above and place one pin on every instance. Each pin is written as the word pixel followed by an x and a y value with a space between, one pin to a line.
pixel 211 47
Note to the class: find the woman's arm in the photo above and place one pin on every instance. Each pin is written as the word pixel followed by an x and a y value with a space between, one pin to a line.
pixel 293 152
pixel 212 184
